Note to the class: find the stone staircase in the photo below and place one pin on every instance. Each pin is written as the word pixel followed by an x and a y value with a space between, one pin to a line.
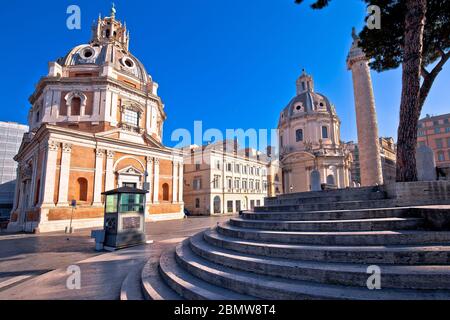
pixel 311 246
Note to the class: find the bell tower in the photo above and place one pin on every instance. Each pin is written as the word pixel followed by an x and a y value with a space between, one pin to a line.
pixel 366 116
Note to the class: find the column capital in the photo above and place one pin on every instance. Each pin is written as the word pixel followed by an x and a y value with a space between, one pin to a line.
pixel 110 154
pixel 149 160
pixel 99 153
pixel 52 145
pixel 67 147
pixel 157 161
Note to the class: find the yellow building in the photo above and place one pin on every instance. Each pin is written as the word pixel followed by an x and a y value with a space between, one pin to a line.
pixel 96 123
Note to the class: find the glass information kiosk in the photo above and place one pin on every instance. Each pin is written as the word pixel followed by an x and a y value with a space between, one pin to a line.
pixel 124 224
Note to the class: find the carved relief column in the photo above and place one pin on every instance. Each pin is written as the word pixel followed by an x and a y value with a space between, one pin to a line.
pixel 109 179
pixel 100 154
pixel 156 182
pixel 49 174
pixel 150 179
pixel 63 198
pixel 180 182
pixel 174 181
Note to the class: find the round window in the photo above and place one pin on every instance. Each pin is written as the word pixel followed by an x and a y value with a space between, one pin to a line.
pixel 127 62
pixel 299 108
pixel 87 53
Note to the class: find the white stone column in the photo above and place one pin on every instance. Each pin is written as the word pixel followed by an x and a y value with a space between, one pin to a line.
pixel 308 179
pixel 98 177
pixel 49 174
pixel 180 182
pixel 83 108
pixel 96 105
pixel 156 182
pixel 31 201
pixel 109 179
pixel 339 181
pixel 150 180
pixel 17 191
pixel 63 197
pixel 174 181
pixel 114 109
pixel 56 104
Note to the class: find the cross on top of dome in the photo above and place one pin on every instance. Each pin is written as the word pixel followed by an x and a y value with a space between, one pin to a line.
pixel 109 30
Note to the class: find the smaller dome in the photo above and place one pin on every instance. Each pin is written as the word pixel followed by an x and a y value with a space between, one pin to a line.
pixel 306 101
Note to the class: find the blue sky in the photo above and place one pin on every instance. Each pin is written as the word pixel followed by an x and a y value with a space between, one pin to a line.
pixel 231 64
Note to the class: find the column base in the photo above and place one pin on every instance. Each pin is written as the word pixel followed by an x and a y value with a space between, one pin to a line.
pixel 98 204
pixel 47 205
pixel 63 205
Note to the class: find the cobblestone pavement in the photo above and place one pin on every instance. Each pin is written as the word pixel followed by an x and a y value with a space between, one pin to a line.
pixel 33 266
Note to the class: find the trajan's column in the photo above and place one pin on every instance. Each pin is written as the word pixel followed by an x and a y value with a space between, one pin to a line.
pixel 366 116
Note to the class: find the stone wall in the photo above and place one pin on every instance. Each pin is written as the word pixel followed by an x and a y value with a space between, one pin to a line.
pixel 419 193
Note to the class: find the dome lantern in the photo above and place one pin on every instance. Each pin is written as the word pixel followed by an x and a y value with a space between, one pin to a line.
pixel 110 30
pixel 305 83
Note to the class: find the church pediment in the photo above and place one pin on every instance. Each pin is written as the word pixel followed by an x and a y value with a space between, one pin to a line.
pixel 130 170
pixel 297 157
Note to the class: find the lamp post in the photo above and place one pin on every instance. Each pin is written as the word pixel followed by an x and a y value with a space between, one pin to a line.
pixel 73 205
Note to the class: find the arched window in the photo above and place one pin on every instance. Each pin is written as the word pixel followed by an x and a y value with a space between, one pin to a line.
pixel 299 135
pixel 75 106
pixel 165 188
pixel 217 205
pixel 82 189
pixel 324 132
pixel 330 180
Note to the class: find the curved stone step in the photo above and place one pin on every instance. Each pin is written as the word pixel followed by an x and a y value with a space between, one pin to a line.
pixel 344 205
pixel 350 193
pixel 153 285
pixel 396 277
pixel 331 225
pixel 329 215
pixel 367 238
pixel 326 199
pixel 399 255
pixel 274 288
pixel 131 289
pixel 190 287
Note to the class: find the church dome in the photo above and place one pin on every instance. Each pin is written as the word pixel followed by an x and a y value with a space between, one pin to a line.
pixel 95 54
pixel 109 46
pixel 307 101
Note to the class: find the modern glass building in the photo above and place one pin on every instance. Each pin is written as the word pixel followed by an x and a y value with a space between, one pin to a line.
pixel 11 135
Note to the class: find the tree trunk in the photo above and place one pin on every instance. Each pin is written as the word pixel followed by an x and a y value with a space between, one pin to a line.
pixel 409 108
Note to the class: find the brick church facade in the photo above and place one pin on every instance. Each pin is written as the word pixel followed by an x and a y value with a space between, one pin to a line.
pixel 96 123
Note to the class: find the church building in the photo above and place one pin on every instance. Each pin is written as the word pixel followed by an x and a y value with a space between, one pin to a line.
pixel 312 154
pixel 96 124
